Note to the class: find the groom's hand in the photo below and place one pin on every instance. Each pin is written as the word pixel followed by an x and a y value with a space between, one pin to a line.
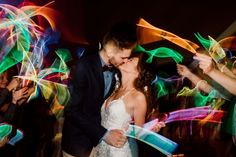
pixel 115 138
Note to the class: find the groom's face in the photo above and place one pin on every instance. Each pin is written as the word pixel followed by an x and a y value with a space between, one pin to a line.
pixel 117 56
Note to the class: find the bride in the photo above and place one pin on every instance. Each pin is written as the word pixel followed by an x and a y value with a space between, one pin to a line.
pixel 128 104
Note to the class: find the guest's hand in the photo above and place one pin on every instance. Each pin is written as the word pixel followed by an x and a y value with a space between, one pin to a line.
pixel 205 62
pixel 13 84
pixel 31 90
pixel 183 70
pixel 4 141
pixel 19 94
pixel 27 95
pixel 115 138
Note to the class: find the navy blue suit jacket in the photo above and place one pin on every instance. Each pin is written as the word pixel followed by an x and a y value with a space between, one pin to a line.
pixel 82 126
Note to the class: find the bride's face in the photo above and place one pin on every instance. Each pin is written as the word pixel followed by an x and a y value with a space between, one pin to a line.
pixel 131 66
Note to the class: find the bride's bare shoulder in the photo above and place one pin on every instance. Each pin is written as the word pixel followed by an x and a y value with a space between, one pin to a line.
pixel 138 96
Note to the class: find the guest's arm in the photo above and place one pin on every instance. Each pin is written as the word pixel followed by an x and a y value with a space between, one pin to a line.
pixel 206 64
pixel 12 107
pixel 185 72
pixel 5 92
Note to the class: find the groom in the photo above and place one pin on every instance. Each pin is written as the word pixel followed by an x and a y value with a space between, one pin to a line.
pixel 91 85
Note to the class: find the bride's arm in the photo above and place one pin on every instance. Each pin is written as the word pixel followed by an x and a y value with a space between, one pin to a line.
pixel 140 109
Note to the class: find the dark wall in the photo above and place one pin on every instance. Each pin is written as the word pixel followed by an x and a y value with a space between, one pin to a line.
pixel 92 18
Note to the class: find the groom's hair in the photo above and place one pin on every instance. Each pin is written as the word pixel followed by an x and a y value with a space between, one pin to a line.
pixel 122 34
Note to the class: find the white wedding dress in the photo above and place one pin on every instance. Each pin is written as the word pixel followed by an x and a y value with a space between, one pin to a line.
pixel 115 116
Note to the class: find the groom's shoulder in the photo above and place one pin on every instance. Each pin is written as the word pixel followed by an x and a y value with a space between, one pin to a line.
pixel 89 56
pixel 88 60
pixel 85 58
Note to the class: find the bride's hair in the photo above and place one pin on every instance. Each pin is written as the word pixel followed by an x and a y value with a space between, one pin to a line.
pixel 143 82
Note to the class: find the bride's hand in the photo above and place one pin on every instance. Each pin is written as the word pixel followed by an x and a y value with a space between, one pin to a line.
pixel 157 127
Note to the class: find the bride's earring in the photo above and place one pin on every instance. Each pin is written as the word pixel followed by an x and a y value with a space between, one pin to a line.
pixel 117 82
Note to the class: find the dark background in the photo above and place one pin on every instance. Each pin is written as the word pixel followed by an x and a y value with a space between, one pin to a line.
pixel 92 18
pixel 86 21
